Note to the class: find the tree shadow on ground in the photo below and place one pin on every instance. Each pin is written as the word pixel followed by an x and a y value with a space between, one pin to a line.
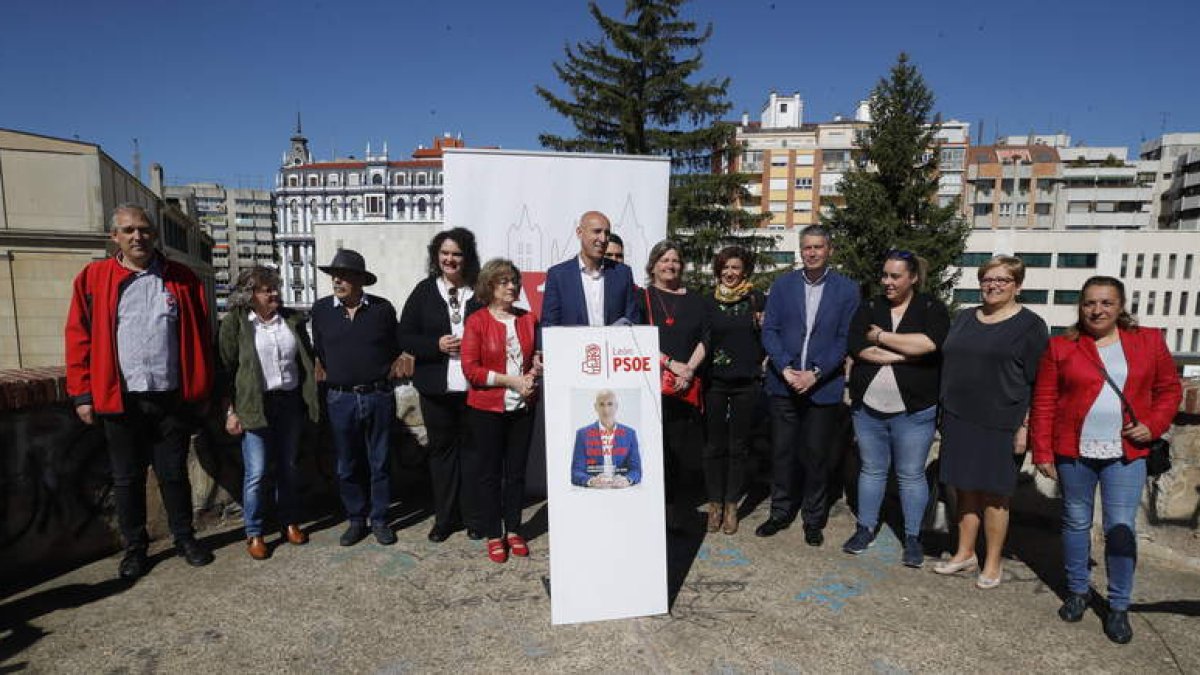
pixel 17 632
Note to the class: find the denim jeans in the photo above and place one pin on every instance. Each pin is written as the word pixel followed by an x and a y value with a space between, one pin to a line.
pixel 278 442
pixel 361 426
pixel 1121 484
pixel 903 439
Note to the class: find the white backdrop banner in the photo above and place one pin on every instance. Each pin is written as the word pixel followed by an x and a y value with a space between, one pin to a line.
pixel 604 473
pixel 525 205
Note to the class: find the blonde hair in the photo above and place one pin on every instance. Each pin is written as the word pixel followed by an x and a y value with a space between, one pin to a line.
pixel 492 270
pixel 1014 265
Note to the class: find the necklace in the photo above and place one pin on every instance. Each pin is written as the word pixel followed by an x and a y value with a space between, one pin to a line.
pixel 670 320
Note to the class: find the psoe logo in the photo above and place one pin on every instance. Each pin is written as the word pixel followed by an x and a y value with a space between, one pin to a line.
pixel 592 362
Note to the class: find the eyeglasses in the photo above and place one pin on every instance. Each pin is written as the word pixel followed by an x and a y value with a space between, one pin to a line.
pixel 996 281
pixel 455 306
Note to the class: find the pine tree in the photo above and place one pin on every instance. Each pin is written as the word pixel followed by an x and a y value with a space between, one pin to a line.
pixel 891 198
pixel 634 92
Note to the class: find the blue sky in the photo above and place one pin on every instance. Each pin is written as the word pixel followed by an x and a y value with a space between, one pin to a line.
pixel 211 89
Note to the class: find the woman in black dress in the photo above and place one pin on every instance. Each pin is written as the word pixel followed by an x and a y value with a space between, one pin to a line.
pixel 734 386
pixel 683 345
pixel 989 362
pixel 431 328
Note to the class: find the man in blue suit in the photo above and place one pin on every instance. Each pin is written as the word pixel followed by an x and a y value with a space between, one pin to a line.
pixel 589 290
pixel 804 333
pixel 606 453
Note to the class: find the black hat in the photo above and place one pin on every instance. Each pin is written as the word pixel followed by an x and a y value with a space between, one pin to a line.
pixel 348 260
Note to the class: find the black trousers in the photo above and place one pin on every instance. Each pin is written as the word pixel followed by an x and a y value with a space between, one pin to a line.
pixel 682 448
pixel 804 440
pixel 729 407
pixel 494 468
pixel 153 430
pixel 445 418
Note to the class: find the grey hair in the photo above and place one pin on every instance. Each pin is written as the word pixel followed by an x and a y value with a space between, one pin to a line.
pixel 131 207
pixel 248 281
pixel 817 231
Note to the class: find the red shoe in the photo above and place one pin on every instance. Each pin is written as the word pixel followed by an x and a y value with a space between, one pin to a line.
pixel 516 544
pixel 496 551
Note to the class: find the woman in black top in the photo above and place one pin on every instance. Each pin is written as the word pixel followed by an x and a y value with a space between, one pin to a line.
pixel 895 340
pixel 991 358
pixel 431 328
pixel 683 343
pixel 735 371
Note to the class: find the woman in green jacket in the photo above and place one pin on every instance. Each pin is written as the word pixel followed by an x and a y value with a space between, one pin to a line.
pixel 267 360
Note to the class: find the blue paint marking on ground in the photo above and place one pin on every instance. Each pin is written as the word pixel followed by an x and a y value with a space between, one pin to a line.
pixel 722 556
pixel 855 576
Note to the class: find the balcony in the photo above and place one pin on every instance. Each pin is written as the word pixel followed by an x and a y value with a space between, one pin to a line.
pixel 1107 221
pixel 1189 203
pixel 1191 179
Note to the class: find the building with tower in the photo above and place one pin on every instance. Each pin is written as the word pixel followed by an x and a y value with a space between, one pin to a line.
pixel 347 197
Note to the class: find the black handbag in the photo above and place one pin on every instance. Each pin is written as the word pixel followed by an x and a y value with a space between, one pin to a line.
pixel 1158 461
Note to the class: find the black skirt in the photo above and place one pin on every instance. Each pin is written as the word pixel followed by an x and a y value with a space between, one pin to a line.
pixel 977 458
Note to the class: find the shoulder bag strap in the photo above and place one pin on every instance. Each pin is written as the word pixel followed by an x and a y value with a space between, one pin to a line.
pixel 1120 395
pixel 649 312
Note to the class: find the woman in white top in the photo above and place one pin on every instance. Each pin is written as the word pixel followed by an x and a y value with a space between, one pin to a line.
pixel 1087 434
pixel 431 329
pixel 267 370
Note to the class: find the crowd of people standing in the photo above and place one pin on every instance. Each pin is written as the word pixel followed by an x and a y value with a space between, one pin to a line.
pixel 1088 402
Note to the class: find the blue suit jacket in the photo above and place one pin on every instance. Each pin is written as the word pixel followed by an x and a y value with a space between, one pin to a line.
pixel 563 303
pixel 588 458
pixel 784 330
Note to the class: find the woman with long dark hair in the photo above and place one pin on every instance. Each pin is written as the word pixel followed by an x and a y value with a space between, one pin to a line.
pixel 431 329
pixel 1105 390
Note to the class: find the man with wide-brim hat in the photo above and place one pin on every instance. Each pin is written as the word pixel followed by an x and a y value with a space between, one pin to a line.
pixel 356 338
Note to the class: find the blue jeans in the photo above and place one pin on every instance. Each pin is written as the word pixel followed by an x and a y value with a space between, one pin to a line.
pixel 278 441
pixel 883 439
pixel 361 426
pixel 1121 486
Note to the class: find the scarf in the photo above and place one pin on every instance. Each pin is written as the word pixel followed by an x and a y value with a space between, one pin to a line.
pixel 735 294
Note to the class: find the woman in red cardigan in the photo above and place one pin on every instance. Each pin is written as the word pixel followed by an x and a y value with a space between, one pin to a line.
pixel 1083 435
pixel 502 368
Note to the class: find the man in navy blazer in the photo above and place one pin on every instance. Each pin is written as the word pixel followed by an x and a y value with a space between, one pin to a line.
pixel 589 289
pixel 804 334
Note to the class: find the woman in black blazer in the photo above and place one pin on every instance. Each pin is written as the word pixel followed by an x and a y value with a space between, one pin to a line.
pixel 431 328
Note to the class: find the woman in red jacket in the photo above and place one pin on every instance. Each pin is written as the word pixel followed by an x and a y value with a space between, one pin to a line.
pixel 1085 434
pixel 499 362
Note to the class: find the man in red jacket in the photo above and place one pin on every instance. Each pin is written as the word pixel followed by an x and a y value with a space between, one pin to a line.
pixel 139 359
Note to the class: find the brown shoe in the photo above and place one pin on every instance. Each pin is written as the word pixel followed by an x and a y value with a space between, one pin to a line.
pixel 295 535
pixel 731 520
pixel 714 516
pixel 257 548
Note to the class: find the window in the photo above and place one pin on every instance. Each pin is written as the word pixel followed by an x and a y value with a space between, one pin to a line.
pixel 422 206
pixel 1137 301
pixel 802 206
pixel 1079 207
pixel 778 184
pixel 1124 265
pixel 332 179
pixel 973 259
pixel 376 179
pixel 778 207
pixel 1178 339
pixel 333 210
pixel 1197 310
pixel 355 179
pixel 312 181
pixel 983 209
pixel 782 107
pixel 1023 209
pixel 804 159
pixel 1077 260
pixel 1195 340
pixel 779 159
pixel 1171 260
pixel 967 295
pixel 401 209
pixel 1035 259
pixel 400 178
pixel 293 181
pixel 355 210
pixel 1187 266
pixel 1005 209
pixel 1033 297
pixel 312 208
pixel 801 183
pixel 1183 298
pixel 1042 208
pixel 1137 268
pixel 1044 184
pixel 1066 297
pixel 1150 303
pixel 375 204
pixel 422 179
pixel 1166 303
pixel 1154 266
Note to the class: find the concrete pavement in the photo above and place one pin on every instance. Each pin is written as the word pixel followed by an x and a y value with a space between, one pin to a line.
pixel 742 604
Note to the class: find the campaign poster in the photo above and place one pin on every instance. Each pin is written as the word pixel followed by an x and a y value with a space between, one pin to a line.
pixel 604 473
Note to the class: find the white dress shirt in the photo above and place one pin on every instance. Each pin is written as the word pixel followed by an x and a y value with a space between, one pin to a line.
pixel 593 293
pixel 276 347
pixel 455 380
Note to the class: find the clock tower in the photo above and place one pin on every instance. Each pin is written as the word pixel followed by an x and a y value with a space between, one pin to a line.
pixel 298 154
